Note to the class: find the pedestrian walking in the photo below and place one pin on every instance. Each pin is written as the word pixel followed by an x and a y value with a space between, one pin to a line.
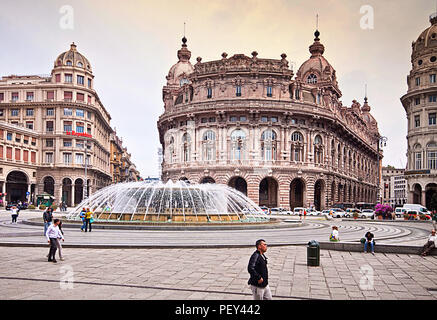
pixel 300 214
pixel 53 233
pixel 334 234
pixel 304 214
pixel 82 216
pixel 259 276
pixel 14 214
pixel 434 219
pixel 47 217
pixel 88 220
pixel 369 240
pixel 429 245
pixel 58 241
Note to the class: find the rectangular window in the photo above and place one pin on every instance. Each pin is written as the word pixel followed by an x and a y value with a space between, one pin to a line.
pixel 209 93
pixel 49 157
pixel 67 158
pixel 274 119
pixel 80 80
pixel 49 143
pixel 17 154
pixel 88 130
pixel 243 118
pixel 89 83
pixel 50 112
pixel 2 96
pixel 49 126
pixel 33 157
pixel 14 112
pixel 89 115
pixel 29 125
pixel 80 127
pixel 417 121
pixel 50 95
pixel 238 91
pixel 204 120
pixel 211 119
pixel 418 160
pixel 25 155
pixel 79 158
pixel 68 126
pixel 68 112
pixel 9 153
pixel 79 144
pixel 264 119
pixel 269 91
pixel 58 77
pixel 233 119
pixel 432 119
pixel 432 78
pixel 432 98
pixel 68 95
pixel 17 138
pixel 417 101
pixel 417 81
pixel 9 136
pixel 432 160
pixel 80 97
pixel 26 140
pixel 68 78
pixel 68 143
pixel 29 112
pixel 29 96
pixel 14 96
pixel 80 113
pixel 89 99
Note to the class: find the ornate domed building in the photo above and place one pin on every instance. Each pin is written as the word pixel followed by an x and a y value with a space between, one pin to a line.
pixel 420 104
pixel 284 140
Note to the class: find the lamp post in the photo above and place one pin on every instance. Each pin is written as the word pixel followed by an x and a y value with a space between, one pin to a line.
pixel 86 169
pixel 382 142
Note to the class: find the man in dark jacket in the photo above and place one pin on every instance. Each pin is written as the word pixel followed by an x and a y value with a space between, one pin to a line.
pixel 259 276
pixel 48 217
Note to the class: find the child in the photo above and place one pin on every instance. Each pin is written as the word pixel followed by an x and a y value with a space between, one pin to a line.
pixel 334 234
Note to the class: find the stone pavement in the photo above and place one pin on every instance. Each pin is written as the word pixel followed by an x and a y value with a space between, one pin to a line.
pixel 215 274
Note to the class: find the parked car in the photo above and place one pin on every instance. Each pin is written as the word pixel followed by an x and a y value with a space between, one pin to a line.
pixel 419 208
pixel 399 212
pixel 350 212
pixel 298 210
pixel 337 213
pixel 367 213
pixel 265 209
pixel 278 211
pixel 313 212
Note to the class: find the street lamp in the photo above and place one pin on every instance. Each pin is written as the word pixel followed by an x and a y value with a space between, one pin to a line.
pixel 382 142
pixel 86 169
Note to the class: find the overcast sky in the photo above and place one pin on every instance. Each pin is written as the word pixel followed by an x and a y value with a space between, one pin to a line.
pixel 132 44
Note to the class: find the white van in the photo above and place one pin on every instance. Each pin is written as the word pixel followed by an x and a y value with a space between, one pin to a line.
pixel 418 207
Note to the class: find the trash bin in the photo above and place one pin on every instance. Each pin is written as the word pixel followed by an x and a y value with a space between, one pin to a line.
pixel 313 253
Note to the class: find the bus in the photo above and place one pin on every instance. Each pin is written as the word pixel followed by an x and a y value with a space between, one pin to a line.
pixel 343 206
pixel 365 205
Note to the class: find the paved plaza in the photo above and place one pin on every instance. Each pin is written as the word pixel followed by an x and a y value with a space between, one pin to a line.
pixel 215 273
pixel 212 274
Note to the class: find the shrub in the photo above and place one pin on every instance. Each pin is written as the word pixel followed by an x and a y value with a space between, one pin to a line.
pixel 42 207
pixel 54 206
pixel 31 206
pixel 355 215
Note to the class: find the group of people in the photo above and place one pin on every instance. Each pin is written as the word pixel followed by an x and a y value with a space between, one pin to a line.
pixel 63 206
pixel 87 219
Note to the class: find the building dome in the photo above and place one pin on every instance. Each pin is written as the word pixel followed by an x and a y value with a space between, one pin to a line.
pixel 72 58
pixel 179 72
pixel 316 68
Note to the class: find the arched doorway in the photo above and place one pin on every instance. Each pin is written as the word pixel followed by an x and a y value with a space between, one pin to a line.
pixel 239 184
pixel 49 185
pixel 431 196
pixel 16 186
pixel 296 193
pixel 207 180
pixel 319 190
pixel 66 191
pixel 332 193
pixel 417 193
pixel 78 191
pixel 268 193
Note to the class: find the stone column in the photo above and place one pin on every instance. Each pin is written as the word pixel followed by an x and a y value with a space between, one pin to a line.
pixel 423 201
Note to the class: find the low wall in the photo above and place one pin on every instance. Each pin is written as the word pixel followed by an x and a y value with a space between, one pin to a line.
pixel 379 248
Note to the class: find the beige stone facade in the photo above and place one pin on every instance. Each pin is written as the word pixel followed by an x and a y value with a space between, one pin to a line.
pixel 64 115
pixel 284 141
pixel 420 104
pixel 122 167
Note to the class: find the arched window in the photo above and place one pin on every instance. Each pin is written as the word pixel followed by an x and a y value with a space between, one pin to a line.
pixel 431 154
pixel 417 157
pixel 186 143
pixel 297 146
pixel 268 145
pixel 318 149
pixel 69 63
pixel 80 64
pixel 238 138
pixel 208 142
pixel 312 79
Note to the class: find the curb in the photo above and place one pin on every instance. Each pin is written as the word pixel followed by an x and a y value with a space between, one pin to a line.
pixel 379 248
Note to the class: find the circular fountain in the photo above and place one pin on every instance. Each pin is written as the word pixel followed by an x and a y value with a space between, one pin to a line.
pixel 172 202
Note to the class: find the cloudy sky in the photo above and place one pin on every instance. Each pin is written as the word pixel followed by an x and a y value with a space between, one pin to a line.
pixel 132 44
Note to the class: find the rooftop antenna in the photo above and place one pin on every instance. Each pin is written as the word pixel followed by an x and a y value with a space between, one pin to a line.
pixel 365 92
pixel 184 29
pixel 317 21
